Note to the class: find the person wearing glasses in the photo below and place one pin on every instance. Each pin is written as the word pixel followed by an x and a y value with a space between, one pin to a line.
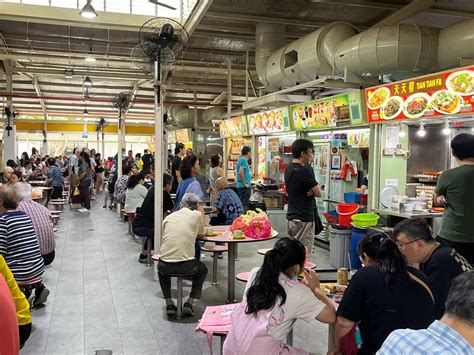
pixel 386 294
pixel 438 261
pixel 302 188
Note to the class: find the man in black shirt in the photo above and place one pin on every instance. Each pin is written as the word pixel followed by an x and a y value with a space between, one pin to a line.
pixel 302 188
pixel 146 159
pixel 439 262
pixel 179 153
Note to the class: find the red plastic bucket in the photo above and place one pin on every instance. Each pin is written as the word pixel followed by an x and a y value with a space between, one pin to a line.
pixel 345 211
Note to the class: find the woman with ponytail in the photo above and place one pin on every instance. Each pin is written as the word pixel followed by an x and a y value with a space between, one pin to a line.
pixel 273 300
pixel 386 294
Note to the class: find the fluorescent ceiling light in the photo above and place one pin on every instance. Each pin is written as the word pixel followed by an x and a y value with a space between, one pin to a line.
pixel 421 131
pixel 322 133
pixel 446 130
pixel 401 132
pixel 88 10
pixel 90 59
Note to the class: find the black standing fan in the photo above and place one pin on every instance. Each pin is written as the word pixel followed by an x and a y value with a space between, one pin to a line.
pixel 122 103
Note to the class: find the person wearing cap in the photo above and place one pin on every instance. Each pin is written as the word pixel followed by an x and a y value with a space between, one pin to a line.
pixel 177 252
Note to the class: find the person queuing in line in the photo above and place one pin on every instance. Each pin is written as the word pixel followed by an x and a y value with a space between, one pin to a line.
pixel 189 170
pixel 438 261
pixel 22 307
pixel 98 172
pixel 302 188
pixel 243 176
pixel 227 205
pixel 177 252
pixel 73 167
pixel 139 161
pixel 215 172
pixel 383 296
pixel 144 221
pixel 179 154
pixel 19 245
pixel 170 159
pixel 55 179
pixel 8 324
pixel 109 190
pixel 85 180
pixel 130 159
pixel 42 221
pixel 273 300
pixel 454 190
pixel 123 157
pixel 189 152
pixel 135 169
pixel 136 192
pixel 147 160
pixel 452 335
pixel 120 189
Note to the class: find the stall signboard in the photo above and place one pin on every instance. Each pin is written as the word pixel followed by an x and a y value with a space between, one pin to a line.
pixel 182 136
pixel 274 145
pixel 334 111
pixel 271 121
pixel 234 127
pixel 172 137
pixel 446 93
pixel 358 139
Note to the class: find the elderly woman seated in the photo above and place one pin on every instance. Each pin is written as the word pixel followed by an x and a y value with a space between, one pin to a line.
pixel 227 205
pixel 177 253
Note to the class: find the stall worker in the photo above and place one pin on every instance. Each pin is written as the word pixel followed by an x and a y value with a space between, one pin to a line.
pixel 438 261
pixel 453 334
pixel 384 295
pixel 273 300
pixel 455 190
pixel 177 252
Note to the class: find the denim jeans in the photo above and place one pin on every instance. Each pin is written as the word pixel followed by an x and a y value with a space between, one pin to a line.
pixel 84 189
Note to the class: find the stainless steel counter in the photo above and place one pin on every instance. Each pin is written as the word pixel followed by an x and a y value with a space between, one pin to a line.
pixel 408 214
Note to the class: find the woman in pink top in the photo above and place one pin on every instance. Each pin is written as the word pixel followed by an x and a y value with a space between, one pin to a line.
pixel 274 300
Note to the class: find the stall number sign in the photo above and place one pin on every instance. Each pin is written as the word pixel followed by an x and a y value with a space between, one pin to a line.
pixel 234 127
pixel 269 121
pixel 340 110
pixel 447 93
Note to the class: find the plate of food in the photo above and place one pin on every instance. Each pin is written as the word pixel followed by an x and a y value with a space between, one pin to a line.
pixel 461 82
pixel 415 105
pixel 437 210
pixel 378 98
pixel 392 108
pixel 446 102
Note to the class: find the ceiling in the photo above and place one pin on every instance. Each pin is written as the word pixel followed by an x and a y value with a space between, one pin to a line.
pixel 38 49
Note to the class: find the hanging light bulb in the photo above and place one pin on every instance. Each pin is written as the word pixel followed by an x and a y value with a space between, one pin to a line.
pixel 446 130
pixel 401 132
pixel 87 81
pixel 88 10
pixel 90 57
pixel 421 131
pixel 85 112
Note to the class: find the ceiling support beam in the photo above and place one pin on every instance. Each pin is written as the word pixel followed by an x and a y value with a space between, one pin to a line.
pixel 405 12
pixel 199 11
pixel 219 98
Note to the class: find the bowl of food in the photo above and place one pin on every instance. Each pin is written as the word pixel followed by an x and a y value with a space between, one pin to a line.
pixel 392 108
pixel 461 82
pixel 446 102
pixel 415 105
pixel 377 98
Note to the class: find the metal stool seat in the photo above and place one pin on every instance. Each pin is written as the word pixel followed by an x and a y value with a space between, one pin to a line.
pixel 214 249
pixel 263 251
pixel 243 276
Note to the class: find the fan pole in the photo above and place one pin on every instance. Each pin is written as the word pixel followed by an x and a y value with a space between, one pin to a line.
pixel 120 141
pixel 103 143
pixel 158 165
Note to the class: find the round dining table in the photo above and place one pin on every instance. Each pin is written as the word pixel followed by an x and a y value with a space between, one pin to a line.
pixel 224 235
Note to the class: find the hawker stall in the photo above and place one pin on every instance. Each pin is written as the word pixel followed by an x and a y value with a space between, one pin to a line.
pixel 413 123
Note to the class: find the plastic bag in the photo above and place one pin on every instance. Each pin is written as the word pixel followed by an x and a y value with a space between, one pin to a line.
pixel 254 224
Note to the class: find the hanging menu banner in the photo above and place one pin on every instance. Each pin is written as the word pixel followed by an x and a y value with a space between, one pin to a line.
pixel 334 111
pixel 182 135
pixel 277 120
pixel 234 127
pixel 447 93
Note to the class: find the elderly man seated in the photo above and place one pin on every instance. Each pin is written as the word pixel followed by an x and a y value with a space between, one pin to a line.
pixel 42 221
pixel 19 245
pixel 177 253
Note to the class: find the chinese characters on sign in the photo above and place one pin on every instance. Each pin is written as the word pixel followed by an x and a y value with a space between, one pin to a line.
pixel 446 93
pixel 234 127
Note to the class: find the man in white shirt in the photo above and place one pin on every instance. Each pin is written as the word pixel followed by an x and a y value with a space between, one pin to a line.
pixel 177 251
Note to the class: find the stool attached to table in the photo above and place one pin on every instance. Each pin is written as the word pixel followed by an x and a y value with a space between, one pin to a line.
pixel 215 250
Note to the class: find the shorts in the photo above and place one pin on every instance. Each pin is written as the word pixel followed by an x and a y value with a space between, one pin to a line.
pixel 302 231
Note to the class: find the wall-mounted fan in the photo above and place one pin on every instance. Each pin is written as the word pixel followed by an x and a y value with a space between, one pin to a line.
pixel 10 115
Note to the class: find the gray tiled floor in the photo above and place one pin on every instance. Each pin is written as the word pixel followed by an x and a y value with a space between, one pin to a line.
pixel 102 298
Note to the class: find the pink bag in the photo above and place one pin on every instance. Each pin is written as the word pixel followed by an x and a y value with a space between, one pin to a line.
pixel 259 228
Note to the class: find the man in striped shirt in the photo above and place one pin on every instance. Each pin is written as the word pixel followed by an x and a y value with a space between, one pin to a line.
pixel 42 221
pixel 19 245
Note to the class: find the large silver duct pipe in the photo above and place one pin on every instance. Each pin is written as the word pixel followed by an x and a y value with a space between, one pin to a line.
pixel 183 116
pixel 456 41
pixel 215 113
pixel 268 38
pixel 397 49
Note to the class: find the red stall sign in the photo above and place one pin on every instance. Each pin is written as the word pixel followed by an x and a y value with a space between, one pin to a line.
pixel 446 93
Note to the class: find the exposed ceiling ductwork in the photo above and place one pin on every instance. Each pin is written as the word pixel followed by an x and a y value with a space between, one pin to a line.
pixel 402 50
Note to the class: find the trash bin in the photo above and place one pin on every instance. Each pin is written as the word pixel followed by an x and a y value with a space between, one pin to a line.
pixel 339 245
pixel 357 235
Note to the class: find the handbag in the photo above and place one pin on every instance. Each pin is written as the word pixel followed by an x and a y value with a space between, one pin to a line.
pixel 76 191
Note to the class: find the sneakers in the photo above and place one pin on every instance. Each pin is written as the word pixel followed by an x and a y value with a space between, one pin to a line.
pixel 104 206
pixel 187 309
pixel 83 210
pixel 143 259
pixel 41 295
pixel 171 310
